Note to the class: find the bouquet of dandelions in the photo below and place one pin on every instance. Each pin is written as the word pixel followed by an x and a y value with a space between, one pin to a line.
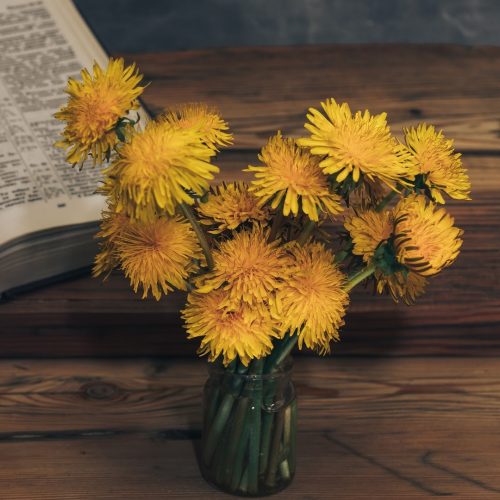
pixel 261 272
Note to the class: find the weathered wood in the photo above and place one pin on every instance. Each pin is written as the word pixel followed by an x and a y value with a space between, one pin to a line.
pixel 368 428
pixel 258 91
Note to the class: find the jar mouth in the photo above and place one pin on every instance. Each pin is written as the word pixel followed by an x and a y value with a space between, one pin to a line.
pixel 284 369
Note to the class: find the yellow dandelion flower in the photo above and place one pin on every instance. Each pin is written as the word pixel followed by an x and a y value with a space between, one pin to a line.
pixel 406 286
pixel 158 255
pixel 230 205
pixel 291 175
pixel 440 167
pixel 248 267
pixel 202 120
pixel 368 229
pixel 238 330
pixel 359 144
pixel 105 260
pixel 155 170
pixel 94 107
pixel 426 240
pixel 112 226
pixel 312 302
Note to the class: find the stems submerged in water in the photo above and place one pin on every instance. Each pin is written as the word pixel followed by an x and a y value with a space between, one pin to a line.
pixel 217 427
pixel 274 455
pixel 254 447
pixel 248 439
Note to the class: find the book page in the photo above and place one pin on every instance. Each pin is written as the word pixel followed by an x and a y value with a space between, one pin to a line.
pixel 42 44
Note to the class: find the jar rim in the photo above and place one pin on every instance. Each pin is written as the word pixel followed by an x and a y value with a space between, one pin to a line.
pixel 285 368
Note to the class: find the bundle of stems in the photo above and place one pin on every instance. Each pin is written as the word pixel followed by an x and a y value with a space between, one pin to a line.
pixel 249 427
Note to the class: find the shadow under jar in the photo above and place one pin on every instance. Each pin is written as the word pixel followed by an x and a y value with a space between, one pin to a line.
pixel 249 428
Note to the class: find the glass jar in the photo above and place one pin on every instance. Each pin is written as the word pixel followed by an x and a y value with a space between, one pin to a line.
pixel 249 429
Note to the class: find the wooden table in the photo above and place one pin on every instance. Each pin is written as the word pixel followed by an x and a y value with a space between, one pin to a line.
pixel 375 428
pixel 409 405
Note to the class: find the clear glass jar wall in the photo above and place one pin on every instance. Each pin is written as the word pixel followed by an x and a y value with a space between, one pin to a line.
pixel 249 428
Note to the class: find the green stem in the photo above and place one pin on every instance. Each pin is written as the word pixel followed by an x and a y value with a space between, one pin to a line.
pixel 231 367
pixel 237 384
pixel 188 213
pixel 274 456
pixel 235 438
pixel 306 232
pixel 277 223
pixel 341 256
pixel 212 408
pixel 267 426
pixel 293 425
pixel 285 469
pixel 244 481
pixel 287 430
pixel 359 277
pixel 217 427
pixel 280 353
pixel 239 460
pixel 284 466
pixel 388 198
pixel 217 433
pixel 255 429
pixel 218 459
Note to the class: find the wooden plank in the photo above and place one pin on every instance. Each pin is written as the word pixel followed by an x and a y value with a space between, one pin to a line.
pixel 368 428
pixel 260 90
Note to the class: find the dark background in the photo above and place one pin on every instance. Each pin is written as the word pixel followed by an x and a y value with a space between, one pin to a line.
pixel 159 25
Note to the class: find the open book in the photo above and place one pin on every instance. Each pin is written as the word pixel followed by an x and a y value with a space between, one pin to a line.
pixel 48 210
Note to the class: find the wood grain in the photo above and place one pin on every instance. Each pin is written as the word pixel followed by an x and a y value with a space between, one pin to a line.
pixel 259 90
pixel 368 428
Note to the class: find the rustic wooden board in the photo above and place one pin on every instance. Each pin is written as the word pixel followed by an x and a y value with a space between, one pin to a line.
pixel 258 91
pixel 368 428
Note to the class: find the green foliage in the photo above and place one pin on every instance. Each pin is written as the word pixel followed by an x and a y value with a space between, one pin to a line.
pixel 420 185
pixel 122 124
pixel 345 187
pixel 385 259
